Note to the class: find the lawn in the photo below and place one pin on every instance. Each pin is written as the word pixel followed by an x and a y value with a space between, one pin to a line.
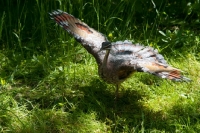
pixel 49 83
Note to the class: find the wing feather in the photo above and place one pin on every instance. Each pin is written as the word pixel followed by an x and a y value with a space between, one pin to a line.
pixel 87 36
pixel 131 58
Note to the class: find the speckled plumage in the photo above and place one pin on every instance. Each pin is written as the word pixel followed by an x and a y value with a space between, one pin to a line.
pixel 123 57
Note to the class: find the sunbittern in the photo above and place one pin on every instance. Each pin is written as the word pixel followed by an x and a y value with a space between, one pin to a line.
pixel 117 60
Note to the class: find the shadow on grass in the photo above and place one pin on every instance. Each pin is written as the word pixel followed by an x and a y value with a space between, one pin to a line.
pixel 128 115
pixel 128 112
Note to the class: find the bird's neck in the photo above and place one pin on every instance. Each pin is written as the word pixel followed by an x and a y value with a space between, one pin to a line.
pixel 106 57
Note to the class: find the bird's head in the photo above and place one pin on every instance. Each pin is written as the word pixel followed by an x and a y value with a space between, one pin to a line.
pixel 106 46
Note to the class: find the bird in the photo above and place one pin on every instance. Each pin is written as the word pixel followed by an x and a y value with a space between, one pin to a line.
pixel 118 60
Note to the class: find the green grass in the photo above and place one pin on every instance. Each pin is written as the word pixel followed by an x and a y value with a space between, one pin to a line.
pixel 49 83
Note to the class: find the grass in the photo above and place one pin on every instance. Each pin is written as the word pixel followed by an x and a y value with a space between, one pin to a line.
pixel 49 83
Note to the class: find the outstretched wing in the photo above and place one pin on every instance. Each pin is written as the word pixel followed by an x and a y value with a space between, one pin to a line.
pixel 88 37
pixel 130 58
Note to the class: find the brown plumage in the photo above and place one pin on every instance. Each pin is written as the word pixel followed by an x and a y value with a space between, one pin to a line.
pixel 117 60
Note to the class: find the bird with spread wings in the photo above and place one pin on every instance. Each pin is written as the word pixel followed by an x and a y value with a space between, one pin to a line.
pixel 116 60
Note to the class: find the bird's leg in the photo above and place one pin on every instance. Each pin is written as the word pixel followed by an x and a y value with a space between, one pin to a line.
pixel 116 95
pixel 116 92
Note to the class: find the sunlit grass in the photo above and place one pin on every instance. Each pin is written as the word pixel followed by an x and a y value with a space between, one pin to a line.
pixel 49 83
pixel 76 92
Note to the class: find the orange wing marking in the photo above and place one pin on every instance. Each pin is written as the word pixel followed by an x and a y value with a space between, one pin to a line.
pixel 83 27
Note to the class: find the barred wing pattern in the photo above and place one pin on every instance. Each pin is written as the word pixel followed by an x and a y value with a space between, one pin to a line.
pixel 130 58
pixel 87 36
